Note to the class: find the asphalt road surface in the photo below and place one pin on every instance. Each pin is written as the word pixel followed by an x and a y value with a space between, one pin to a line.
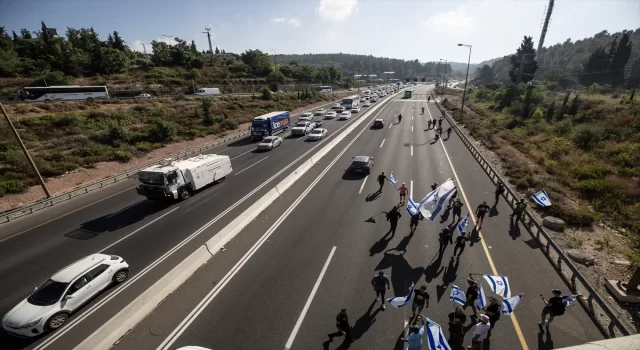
pixel 152 236
pixel 281 282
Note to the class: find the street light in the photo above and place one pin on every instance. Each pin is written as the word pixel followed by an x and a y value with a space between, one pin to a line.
pixel 464 93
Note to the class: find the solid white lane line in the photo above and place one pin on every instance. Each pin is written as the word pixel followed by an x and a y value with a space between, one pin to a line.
pixel 296 328
pixel 411 117
pixel 242 154
pixel 412 155
pixel 134 232
pixel 411 189
pixel 411 128
pixel 239 172
pixel 390 124
pixel 363 182
pixel 382 143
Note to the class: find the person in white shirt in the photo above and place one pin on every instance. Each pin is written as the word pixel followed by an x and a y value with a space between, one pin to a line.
pixel 480 332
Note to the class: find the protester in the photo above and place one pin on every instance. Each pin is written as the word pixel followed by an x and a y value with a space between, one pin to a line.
pixel 448 132
pixel 414 340
pixel 461 242
pixel 434 186
pixel 457 209
pixel 519 209
pixel 499 191
pixel 342 323
pixel 480 333
pixel 392 217
pixel 415 219
pixel 480 213
pixel 381 179
pixel 440 122
pixel 403 192
pixel 446 238
pixel 554 307
pixel 429 125
pixel 472 296
pixel 453 197
pixel 457 319
pixel 420 300
pixel 493 310
pixel 379 283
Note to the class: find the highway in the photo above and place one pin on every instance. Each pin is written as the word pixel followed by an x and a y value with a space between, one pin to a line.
pixel 281 282
pixel 152 236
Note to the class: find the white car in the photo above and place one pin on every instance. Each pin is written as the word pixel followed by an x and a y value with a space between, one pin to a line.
pixel 330 115
pixel 302 128
pixel 336 106
pixel 320 111
pixel 345 115
pixel 305 115
pixel 366 104
pixel 51 304
pixel 340 110
pixel 317 134
pixel 374 99
pixel 144 96
pixel 362 99
pixel 355 110
pixel 270 142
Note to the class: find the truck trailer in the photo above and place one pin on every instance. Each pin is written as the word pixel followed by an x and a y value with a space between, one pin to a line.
pixel 180 179
pixel 269 124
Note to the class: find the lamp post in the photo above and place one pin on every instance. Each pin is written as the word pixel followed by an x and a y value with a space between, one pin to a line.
pixel 444 81
pixel 464 93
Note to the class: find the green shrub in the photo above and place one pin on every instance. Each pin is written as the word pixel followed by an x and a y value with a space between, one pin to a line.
pixel 266 93
pixel 12 186
pixel 117 133
pixel 229 124
pixel 163 131
pixel 51 169
pixel 582 217
pixel 591 172
pixel 596 187
pixel 96 114
pixel 631 172
pixel 587 137
pixel 122 156
pixel 563 127
pixel 91 150
pixel 144 146
pixel 67 120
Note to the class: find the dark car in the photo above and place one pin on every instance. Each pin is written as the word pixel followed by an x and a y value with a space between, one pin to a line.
pixel 378 123
pixel 361 164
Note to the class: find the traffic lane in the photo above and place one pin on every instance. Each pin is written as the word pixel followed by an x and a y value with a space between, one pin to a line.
pixel 157 321
pixel 515 244
pixel 161 244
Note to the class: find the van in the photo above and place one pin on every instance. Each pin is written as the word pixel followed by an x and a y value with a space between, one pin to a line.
pixel 207 92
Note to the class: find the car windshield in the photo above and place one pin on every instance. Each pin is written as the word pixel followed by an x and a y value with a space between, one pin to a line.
pixel 267 140
pixel 301 124
pixel 316 132
pixel 151 178
pixel 358 163
pixel 48 293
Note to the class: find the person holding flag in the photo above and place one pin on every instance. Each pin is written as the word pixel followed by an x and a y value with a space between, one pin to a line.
pixel 434 186
pixel 381 178
pixel 493 310
pixel 420 300
pixel 414 340
pixel 457 319
pixel 403 193
pixel 392 216
pixel 446 237
pixel 472 296
pixel 554 307
pixel 415 219
pixel 481 211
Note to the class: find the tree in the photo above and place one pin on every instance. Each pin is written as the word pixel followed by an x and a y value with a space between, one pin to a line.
pixel 25 34
pixel 118 43
pixel 258 61
pixel 217 51
pixel 550 111
pixel 484 75
pixel 15 36
pixel 619 60
pixel 526 52
pixel 594 69
pixel 526 104
pixel 110 41
pixel 634 78
pixel 113 61
pixel 207 118
pixel 559 76
pixel 44 33
pixel 193 47
pixel 573 109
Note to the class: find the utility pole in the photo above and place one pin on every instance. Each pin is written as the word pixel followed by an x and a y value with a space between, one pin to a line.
pixel 444 81
pixel 438 75
pixel 26 153
pixel 543 34
pixel 208 32
pixel 144 47
pixel 277 85
pixel 464 93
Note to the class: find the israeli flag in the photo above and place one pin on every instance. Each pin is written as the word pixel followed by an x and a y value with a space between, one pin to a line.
pixel 457 295
pixel 435 337
pixel 542 198
pixel 568 299
pixel 481 302
pixel 499 285
pixel 508 305
pixel 463 224
pixel 401 301
pixel 431 206
pixel 392 178
pixel 412 207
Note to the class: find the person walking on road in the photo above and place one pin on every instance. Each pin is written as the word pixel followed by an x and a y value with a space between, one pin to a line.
pixel 403 193
pixel 453 196
pixel 434 186
pixel 342 323
pixel 457 319
pixel 481 211
pixel 380 283
pixel 519 209
pixel 415 219
pixel 414 340
pixel 420 301
pixel 393 217
pixel 457 209
pixel 440 123
pixel 553 307
pixel 499 191
pixel 429 125
pixel 493 310
pixel 480 333
pixel 381 179
pixel 461 242
pixel 448 132
pixel 446 238
pixel 472 296
pixel 422 110
pixel 399 118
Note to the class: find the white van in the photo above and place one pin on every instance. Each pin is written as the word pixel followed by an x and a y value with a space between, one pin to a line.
pixel 207 92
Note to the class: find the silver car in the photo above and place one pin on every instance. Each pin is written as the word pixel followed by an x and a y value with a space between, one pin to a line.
pixel 269 143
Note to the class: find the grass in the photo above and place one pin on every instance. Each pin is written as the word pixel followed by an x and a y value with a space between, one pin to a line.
pixel 62 137
pixel 593 153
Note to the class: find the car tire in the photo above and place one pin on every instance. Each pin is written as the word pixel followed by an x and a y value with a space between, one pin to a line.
pixel 184 193
pixel 56 321
pixel 90 99
pixel 120 276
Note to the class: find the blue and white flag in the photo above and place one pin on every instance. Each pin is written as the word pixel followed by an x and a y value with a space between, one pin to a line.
pixel 435 337
pixel 508 305
pixel 542 198
pixel 481 302
pixel 431 206
pixel 568 299
pixel 392 178
pixel 499 285
pixel 463 224
pixel 457 295
pixel 412 207
pixel 401 301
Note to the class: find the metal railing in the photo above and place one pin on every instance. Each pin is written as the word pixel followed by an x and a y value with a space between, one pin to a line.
pixel 48 202
pixel 604 317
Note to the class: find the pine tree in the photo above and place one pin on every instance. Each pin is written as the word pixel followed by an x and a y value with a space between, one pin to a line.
pixel 44 35
pixel 15 36
pixel 634 78
pixel 573 109
pixel 549 115
pixel 194 49
pixel 217 51
pixel 619 60
pixel 525 52
pixel 25 34
pixel 110 41
pixel 118 43
pixel 594 70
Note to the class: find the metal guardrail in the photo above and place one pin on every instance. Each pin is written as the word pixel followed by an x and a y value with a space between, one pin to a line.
pixel 598 311
pixel 48 202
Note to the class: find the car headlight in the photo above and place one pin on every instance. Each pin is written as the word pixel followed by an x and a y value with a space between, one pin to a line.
pixel 31 324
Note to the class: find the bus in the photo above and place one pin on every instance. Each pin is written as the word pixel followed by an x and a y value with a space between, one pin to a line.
pixel 63 93
pixel 324 89
pixel 408 93
pixel 351 101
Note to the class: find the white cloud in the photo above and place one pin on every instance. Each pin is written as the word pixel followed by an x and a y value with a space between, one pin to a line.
pixel 336 10
pixel 294 22
pixel 137 46
pixel 451 20
pixel 277 20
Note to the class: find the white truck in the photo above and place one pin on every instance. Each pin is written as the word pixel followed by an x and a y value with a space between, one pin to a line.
pixel 180 179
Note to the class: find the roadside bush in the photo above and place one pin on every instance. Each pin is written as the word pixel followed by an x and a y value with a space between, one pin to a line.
pixel 96 114
pixel 581 217
pixel 591 172
pixel 91 150
pixel 117 133
pixel 266 93
pixel 563 127
pixel 144 146
pixel 595 188
pixel 229 124
pixel 12 186
pixel 586 137
pixel 51 169
pixel 163 131
pixel 67 120
pixel 122 156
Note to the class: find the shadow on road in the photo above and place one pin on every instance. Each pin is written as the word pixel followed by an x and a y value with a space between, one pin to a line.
pixel 449 276
pixel 380 245
pixel 545 344
pixel 373 196
pixel 365 322
pixel 242 142
pixel 12 343
pixel 115 221
pixel 402 274
pixel 353 176
pixel 434 269
pixel 494 211
pixel 474 237
pixel 514 229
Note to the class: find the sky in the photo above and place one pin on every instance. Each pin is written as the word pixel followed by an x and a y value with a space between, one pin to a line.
pixel 416 29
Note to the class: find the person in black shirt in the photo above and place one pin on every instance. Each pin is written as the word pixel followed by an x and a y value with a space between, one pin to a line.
pixel 342 323
pixel 379 283
pixel 381 178
pixel 457 209
pixel 461 242
pixel 445 238
pixel 393 217
pixel 554 307
pixel 499 191
pixel 453 197
pixel 420 300
pixel 493 310
pixel 457 320
pixel 434 186
pixel 481 211
pixel 472 296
